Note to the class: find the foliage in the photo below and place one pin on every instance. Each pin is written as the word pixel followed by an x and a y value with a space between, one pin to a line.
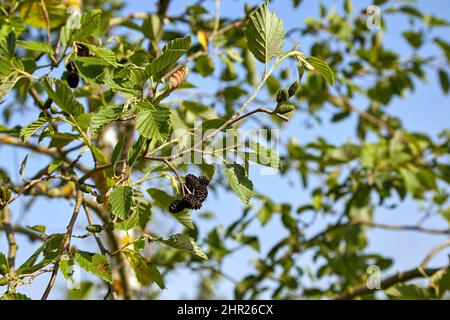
pixel 81 79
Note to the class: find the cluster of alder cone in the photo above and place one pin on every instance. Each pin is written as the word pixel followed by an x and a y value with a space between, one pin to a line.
pixel 73 78
pixel 196 196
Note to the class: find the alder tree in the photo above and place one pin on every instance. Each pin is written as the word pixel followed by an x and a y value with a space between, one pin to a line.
pixel 110 114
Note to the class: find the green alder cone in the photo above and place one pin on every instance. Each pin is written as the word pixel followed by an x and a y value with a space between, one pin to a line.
pixel 100 199
pixel 94 228
pixel 285 108
pixel 3 269
pixel 85 188
pixel 282 96
pixel 2 193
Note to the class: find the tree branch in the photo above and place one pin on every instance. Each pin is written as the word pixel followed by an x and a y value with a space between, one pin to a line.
pixel 380 226
pixel 399 277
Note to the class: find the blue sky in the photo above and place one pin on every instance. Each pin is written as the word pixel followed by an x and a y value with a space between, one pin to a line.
pixel 427 110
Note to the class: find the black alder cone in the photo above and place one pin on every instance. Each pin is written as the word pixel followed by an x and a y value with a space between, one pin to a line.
pixel 177 206
pixel 73 79
pixel 203 180
pixel 199 193
pixel 191 182
pixel 82 50
pixel 71 67
pixel 282 96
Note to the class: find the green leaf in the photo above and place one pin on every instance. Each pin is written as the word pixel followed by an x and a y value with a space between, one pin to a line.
pixel 27 131
pixel 212 124
pixel 323 68
pixel 95 263
pixel 183 242
pixel 105 116
pixel 106 55
pixel 412 183
pixel 169 55
pixel 128 224
pixel 86 24
pixel 265 34
pixel 152 122
pixel 264 156
pixel 207 169
pixel 441 281
pixel 239 182
pixel 404 291
pixel 98 155
pixel 23 165
pixel 137 150
pixel 54 165
pixel 38 228
pixel 66 267
pixel 37 46
pixel 7 84
pixel 184 217
pixel 34 14
pixel 62 96
pixel 4 262
pixel 83 293
pixel 152 27
pixel 14 296
pixel 348 6
pixel 145 271
pixel 265 214
pixel 30 261
pixel 121 200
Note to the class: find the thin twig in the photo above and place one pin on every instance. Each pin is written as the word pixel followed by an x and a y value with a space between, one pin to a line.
pixel 399 277
pixel 66 243
pixel 433 253
pixel 102 250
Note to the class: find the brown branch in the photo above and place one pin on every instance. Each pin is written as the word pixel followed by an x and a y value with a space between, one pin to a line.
pixel 399 277
pixel 8 140
pixel 33 236
pixel 180 180
pixel 259 110
pixel 51 152
pixel 31 276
